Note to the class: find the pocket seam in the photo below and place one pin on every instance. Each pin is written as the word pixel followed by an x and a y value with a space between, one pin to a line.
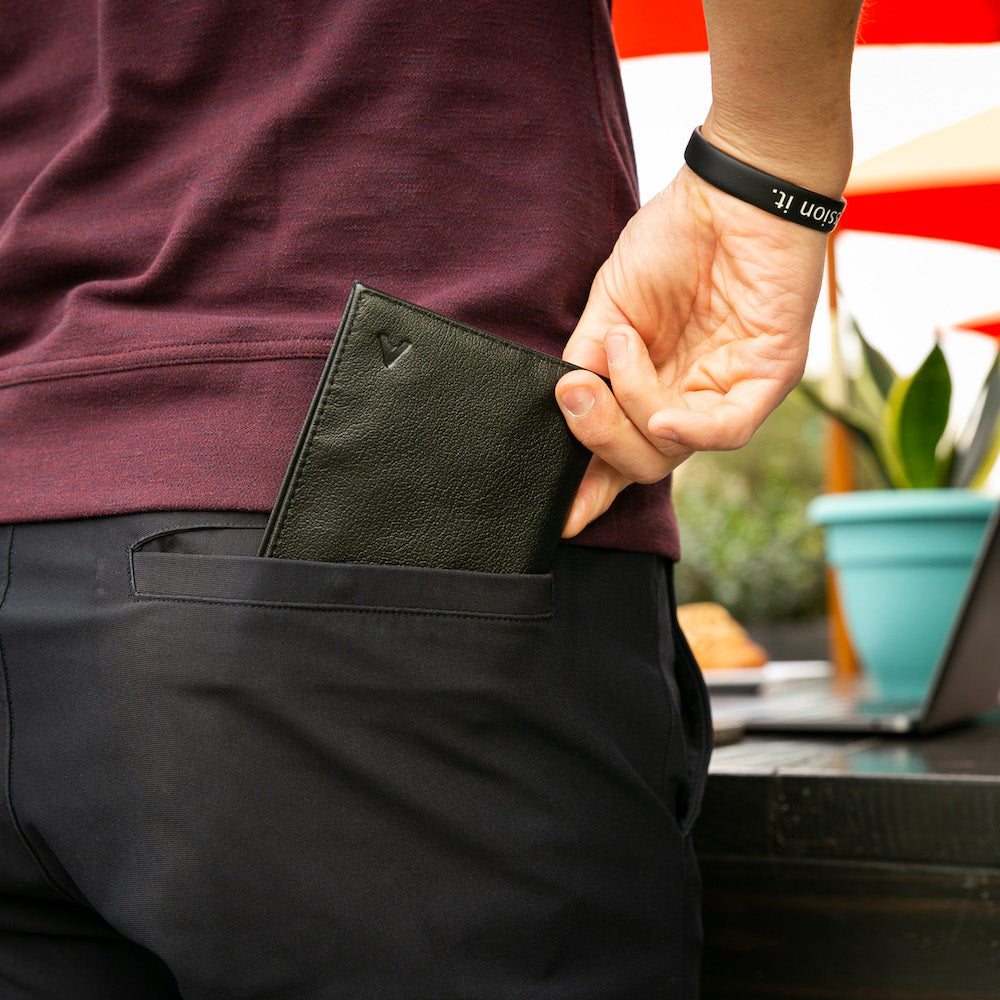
pixel 540 605
pixel 345 609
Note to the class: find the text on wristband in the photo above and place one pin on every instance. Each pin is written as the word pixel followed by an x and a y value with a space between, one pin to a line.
pixel 807 209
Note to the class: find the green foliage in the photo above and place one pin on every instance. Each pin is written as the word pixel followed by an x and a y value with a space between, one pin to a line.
pixel 916 414
pixel 746 542
pixel 902 421
pixel 977 447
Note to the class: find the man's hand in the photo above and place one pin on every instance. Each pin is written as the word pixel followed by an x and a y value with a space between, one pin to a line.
pixel 701 315
pixel 701 319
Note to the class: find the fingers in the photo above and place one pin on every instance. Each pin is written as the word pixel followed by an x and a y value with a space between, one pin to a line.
pixel 635 381
pixel 724 427
pixel 609 423
pixel 719 422
pixel 644 429
pixel 585 346
pixel 586 349
pixel 601 484
pixel 599 420
pixel 649 421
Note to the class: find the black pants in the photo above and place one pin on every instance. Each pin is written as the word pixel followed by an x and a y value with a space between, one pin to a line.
pixel 233 777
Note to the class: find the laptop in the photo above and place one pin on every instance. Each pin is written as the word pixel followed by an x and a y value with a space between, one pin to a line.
pixel 966 681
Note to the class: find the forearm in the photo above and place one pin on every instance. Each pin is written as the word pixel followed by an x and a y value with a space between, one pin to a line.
pixel 781 86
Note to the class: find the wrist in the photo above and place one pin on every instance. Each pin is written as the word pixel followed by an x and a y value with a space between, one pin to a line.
pixel 765 191
pixel 781 73
pixel 817 157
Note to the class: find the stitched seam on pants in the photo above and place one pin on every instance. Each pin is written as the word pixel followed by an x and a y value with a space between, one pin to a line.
pixel 341 609
pixel 675 709
pixel 690 685
pixel 8 776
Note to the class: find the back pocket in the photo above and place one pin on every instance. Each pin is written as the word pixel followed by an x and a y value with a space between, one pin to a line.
pixel 216 563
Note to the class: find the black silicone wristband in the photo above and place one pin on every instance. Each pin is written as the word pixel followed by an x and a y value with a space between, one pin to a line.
pixel 765 191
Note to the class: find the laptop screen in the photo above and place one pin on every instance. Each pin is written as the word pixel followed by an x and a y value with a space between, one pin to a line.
pixel 968 677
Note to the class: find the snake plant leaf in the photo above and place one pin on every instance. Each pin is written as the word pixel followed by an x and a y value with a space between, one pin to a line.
pixel 857 420
pixel 979 443
pixel 862 425
pixel 887 439
pixel 875 377
pixel 916 416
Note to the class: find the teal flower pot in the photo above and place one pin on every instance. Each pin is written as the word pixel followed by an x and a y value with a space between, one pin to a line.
pixel 903 558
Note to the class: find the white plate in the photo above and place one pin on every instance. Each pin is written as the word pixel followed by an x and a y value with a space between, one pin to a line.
pixel 773 674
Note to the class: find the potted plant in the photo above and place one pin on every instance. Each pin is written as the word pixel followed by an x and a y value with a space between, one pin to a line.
pixel 903 554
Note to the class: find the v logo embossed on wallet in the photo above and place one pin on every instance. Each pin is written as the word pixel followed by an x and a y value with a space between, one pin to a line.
pixel 392 352
pixel 428 443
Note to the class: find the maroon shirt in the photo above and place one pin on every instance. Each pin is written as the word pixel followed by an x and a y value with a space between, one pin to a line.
pixel 188 189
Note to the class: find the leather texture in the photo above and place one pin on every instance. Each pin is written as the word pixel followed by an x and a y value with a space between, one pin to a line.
pixel 428 443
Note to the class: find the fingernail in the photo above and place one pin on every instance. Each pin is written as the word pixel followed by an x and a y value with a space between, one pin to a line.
pixel 615 347
pixel 579 402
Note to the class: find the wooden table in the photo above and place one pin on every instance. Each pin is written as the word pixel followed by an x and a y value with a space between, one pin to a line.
pixel 853 867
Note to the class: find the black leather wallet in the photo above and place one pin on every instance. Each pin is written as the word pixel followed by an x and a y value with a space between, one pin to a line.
pixel 428 443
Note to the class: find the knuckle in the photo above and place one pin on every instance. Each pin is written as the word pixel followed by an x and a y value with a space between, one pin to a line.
pixel 743 436
pixel 645 465
pixel 730 439
pixel 649 474
pixel 604 429
pixel 627 391
pixel 600 437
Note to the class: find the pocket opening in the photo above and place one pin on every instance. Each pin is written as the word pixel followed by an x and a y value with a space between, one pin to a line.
pixel 215 563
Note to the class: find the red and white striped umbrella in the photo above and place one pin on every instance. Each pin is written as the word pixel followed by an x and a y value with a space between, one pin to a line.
pixel 944 185
pixel 990 325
